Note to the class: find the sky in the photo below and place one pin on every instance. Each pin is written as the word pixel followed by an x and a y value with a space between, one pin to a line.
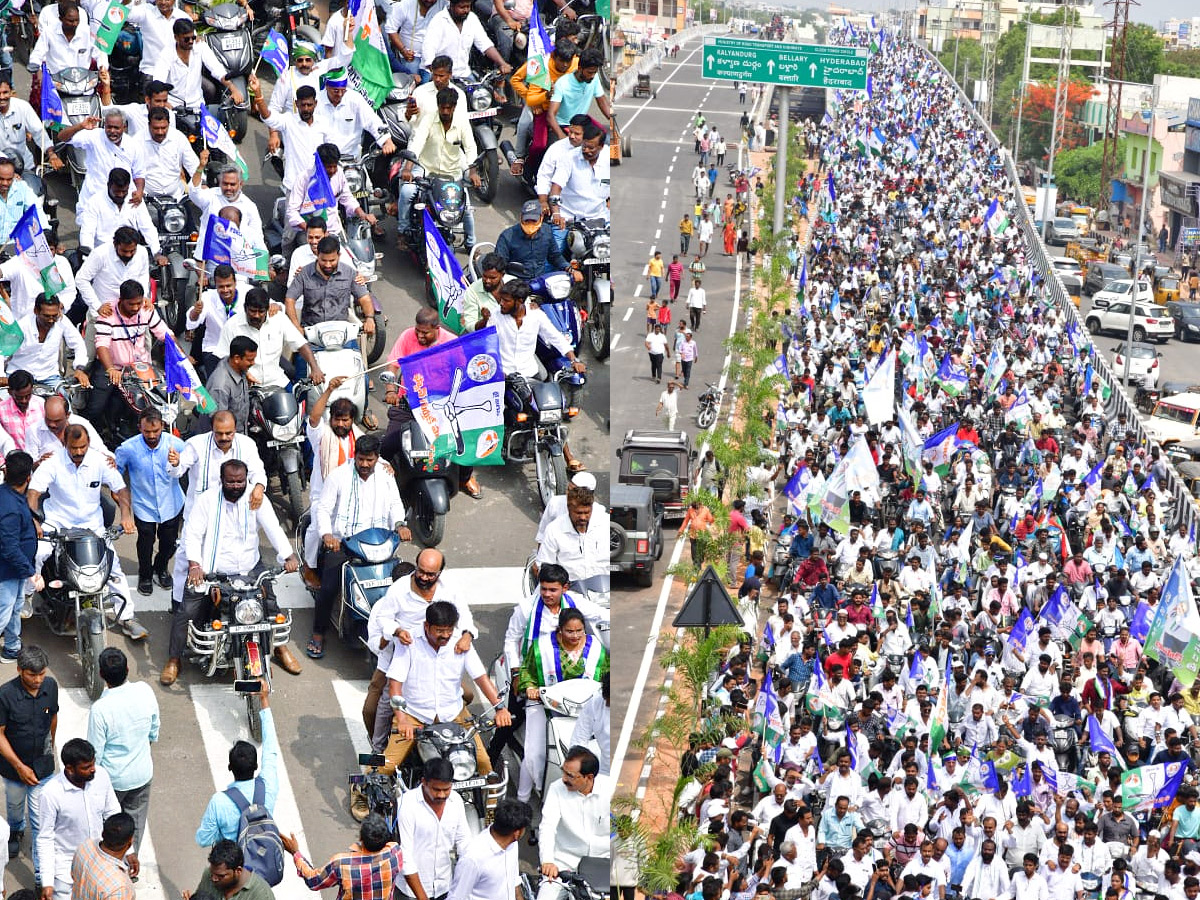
pixel 1153 12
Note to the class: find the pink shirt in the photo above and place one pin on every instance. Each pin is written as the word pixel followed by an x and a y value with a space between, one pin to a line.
pixel 125 338
pixel 407 344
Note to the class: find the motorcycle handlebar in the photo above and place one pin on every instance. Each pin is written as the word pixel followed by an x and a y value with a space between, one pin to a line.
pixel 213 579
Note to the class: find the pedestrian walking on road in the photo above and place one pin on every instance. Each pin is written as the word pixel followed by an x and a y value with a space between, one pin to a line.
pixel 742 93
pixel 668 405
pixel 675 345
pixel 674 277
pixel 705 147
pixel 720 149
pixel 28 722
pixel 730 235
pixel 706 234
pixel 700 183
pixel 656 346
pixel 685 233
pixel 651 314
pixel 688 353
pixel 697 524
pixel 655 270
pixel 696 268
pixel 697 300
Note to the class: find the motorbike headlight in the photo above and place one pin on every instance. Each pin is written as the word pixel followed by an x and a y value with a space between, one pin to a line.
pixel 558 285
pixel 174 220
pixel 90 579
pixel 602 248
pixel 286 432
pixel 376 553
pixel 481 98
pixel 463 761
pixel 446 216
pixel 450 195
pixel 248 612
pixel 354 179
pixel 551 416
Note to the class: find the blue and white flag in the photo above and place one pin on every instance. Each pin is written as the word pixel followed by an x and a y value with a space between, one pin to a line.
pixel 216 137
pixel 1021 630
pixel 832 189
pixel 445 276
pixel 1101 742
pixel 224 244
pixel 52 107
pixel 778 367
pixel 275 51
pixel 34 249
pixel 797 489
pixel 1022 782
pixel 320 190
pixel 456 391
pixel 1151 787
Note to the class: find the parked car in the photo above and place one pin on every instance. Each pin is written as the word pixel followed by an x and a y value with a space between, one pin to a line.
pixel 1149 321
pixel 1186 316
pixel 661 459
pixel 1099 274
pixel 1143 364
pixel 1060 230
pixel 1116 291
pixel 635 540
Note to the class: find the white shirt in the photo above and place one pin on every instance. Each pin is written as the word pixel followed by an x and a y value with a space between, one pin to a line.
pixel 213 317
pixel 554 157
pixel 443 37
pixel 100 219
pixel 165 161
pixel 402 608
pixel 488 871
pixel 431 680
pixel 348 120
pixel 100 277
pixel 53 48
pixel 987 881
pixel 592 723
pixel 187 78
pixel 283 96
pixel 210 202
pixel 585 186
pixel 24 284
pixel 518 345
pixel 696 298
pixel 70 816
pixel 405 19
pixel 158 38
pixel 574 825
pixel 39 440
pixel 276 336
pixel 40 358
pixel 223 536
pixel 515 643
pixel 583 555
pixel 201 460
pixel 1025 888
pixel 349 505
pixel 17 126
pixel 101 156
pixel 74 501
pixel 300 142
pixel 428 839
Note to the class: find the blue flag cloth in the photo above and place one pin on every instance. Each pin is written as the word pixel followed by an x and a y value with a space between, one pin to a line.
pixel 52 108
pixel 768 637
pixel 320 191
pixel 917 670
pixel 1101 742
pixel 991 778
pixel 930 778
pixel 1139 627
pixel 1022 782
pixel 275 51
pixel 1020 630
pixel 908 619
pixel 832 189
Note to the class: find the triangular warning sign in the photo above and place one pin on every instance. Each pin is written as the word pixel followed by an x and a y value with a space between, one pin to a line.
pixel 708 604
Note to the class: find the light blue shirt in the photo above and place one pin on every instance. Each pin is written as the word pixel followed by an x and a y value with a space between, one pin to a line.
pixel 122 725
pixel 220 820
pixel 156 495
pixel 575 97
pixel 838 832
pixel 20 198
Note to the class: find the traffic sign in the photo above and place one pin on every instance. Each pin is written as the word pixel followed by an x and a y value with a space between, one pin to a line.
pixel 788 65
pixel 708 605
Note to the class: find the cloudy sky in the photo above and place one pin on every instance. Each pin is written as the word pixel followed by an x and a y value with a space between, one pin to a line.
pixel 1154 11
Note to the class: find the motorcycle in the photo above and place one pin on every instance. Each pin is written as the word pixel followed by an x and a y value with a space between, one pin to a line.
pixel 484 113
pixel 710 406
pixel 78 596
pixel 124 65
pixel 591 881
pixel 535 421
pixel 444 198
pixel 237 634
pixel 361 243
pixel 426 484
pixel 589 243
pixel 143 386
pixel 277 425
pixel 552 291
pixel 76 88
pixel 176 281
pixel 291 19
pixel 328 341
pixel 228 37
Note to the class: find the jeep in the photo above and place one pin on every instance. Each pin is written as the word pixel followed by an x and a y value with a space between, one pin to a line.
pixel 635 535
pixel 663 461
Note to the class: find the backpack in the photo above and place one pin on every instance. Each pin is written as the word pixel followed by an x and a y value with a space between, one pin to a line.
pixel 258 835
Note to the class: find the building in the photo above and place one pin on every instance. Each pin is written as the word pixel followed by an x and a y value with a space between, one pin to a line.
pixel 1181 34
pixel 1181 189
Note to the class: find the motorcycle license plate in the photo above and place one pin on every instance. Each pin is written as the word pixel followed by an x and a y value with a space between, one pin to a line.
pixel 372 583
pixel 469 784
pixel 483 113
pixel 246 629
pixel 613 567
pixel 79 108
pixel 230 41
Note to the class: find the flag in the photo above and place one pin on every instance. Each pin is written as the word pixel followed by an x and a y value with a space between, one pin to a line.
pixel 767 718
pixel 797 488
pixel 537 62
pixel 110 25
pixel 320 190
pixel 804 271
pixel 762 773
pixel 940 449
pixel 1020 630
pixel 370 59
pixel 832 189
pixel 991 778
pixel 445 276
pixel 33 247
pixel 456 391
pixel 879 396
pixel 224 243
pixel 1140 626
pixel 11 335
pixel 52 108
pixel 996 367
pixel 275 51
pixel 911 148
pixel 1022 782
pixel 181 376
pixel 1021 409
pixel 916 672
pixel 876 141
pixel 1171 638
pixel 1092 480
pixel 937 726
pixel 1102 743
pixel 216 137
pixel 953 379
pixel 870 87
pixel 997 219
pixel 1151 787
pixel 778 367
pixel 768 637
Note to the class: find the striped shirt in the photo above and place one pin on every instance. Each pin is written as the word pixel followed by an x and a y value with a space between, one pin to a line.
pixel 98 876
pixel 358 874
pixel 125 337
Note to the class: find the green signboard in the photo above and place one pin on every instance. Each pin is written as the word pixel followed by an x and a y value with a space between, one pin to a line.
pixel 788 65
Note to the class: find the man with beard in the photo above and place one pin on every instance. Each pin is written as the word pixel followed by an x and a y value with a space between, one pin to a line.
pixel 453 32
pixel 987 877
pixel 579 186
pixel 222 537
pixel 73 807
pixel 479 300
pixel 302 131
pixel 328 287
pixel 228 192
pixel 578 541
pixel 274 335
pixel 19 125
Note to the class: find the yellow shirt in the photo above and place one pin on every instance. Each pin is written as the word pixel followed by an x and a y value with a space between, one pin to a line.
pixel 656 267
pixel 437 148
pixel 538 98
pixel 685 225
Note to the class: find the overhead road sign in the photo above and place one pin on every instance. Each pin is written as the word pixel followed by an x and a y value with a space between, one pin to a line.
pixel 787 65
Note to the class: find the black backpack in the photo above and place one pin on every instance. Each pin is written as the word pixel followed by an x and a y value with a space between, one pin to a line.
pixel 258 835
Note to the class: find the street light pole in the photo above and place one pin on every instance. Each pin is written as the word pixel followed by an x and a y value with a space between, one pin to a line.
pixel 1021 103
pixel 1148 118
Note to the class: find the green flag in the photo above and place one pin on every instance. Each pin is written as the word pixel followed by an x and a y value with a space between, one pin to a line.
pixel 110 26
pixel 11 336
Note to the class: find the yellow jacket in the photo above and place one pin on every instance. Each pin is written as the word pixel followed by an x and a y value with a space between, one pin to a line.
pixel 537 98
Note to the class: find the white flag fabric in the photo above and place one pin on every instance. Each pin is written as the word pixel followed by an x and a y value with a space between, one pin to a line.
pixel 879 396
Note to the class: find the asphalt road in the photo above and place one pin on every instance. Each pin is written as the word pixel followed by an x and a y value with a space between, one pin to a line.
pixel 650 194
pixel 316 713
pixel 1179 361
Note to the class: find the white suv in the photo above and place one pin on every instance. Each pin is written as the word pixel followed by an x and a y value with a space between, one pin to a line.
pixel 1118 290
pixel 1150 322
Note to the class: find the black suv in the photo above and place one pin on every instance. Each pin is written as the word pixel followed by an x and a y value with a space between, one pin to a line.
pixel 635 535
pixel 661 460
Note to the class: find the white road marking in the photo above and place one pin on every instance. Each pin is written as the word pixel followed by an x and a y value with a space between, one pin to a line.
pixel 637 291
pixel 616 340
pixel 628 314
pixel 350 697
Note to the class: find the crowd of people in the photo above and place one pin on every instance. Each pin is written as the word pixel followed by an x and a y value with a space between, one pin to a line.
pixel 89 311
pixel 960 672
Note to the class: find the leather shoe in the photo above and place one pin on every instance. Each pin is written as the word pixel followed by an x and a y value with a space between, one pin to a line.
pixel 311 578
pixel 170 672
pixel 471 488
pixel 164 579
pixel 145 587
pixel 286 660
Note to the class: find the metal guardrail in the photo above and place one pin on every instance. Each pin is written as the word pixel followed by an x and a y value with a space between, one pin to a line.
pixel 1119 402
pixel 654 59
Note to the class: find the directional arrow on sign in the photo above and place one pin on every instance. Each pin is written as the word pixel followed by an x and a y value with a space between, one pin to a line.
pixel 813 69
pixel 710 60
pixel 771 66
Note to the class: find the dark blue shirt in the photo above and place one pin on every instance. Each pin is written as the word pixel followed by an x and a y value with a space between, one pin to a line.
pixel 802 546
pixel 19 543
pixel 536 254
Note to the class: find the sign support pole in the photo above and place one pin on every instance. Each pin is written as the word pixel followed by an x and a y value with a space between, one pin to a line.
pixel 781 156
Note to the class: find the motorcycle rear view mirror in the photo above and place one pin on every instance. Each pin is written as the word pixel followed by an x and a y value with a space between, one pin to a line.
pixel 374 760
pixel 387 377
pixel 408 156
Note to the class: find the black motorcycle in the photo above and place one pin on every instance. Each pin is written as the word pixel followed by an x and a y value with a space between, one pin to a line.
pixel 590 245
pixel 228 36
pixel 483 109
pixel 176 282
pixel 536 416
pixel 124 65
pixel 277 425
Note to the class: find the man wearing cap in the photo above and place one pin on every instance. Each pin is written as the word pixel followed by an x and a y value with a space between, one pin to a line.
pixel 348 115
pixel 183 64
pixel 1148 863
pixel 531 243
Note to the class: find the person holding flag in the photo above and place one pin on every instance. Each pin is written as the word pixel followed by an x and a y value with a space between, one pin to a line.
pixel 104 150
pixel 535 86
pixel 313 198
pixel 228 192
pixel 306 69
pixel 64 41
pixel 302 131
pixel 405 26
pixel 348 116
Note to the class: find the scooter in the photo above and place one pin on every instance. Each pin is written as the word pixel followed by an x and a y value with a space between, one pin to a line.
pixel 236 633
pixel 76 88
pixel 228 37
pixel 590 244
pixel 328 341
pixel 444 198
pixel 590 881
pixel 277 425
pixel 426 484
pixel 78 595
pixel 552 292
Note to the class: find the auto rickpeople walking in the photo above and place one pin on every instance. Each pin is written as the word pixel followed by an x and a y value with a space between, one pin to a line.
pixel 705 234
pixel 668 405
pixel 122 724
pixel 655 269
pixel 656 346
pixel 367 871
pixel 18 549
pixel 697 301
pixel 688 352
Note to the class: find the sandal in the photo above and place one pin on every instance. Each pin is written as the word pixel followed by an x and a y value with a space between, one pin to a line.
pixel 576 466
pixel 314 650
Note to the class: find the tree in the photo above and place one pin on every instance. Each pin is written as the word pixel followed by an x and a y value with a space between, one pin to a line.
pixel 1038 118
pixel 1143 54
pixel 1185 63
pixel 1077 172
pixel 970 58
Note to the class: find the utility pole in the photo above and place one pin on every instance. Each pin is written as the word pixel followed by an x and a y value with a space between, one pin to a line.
pixel 1021 102
pixel 990 38
pixel 1061 93
pixel 1112 115
pixel 1148 118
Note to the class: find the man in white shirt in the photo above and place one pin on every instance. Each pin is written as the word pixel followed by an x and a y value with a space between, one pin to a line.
pixel 222 537
pixel 103 215
pixel 356 496
pixel 348 116
pixel 575 818
pixel 104 150
pixel 213 309
pixel 305 69
pixel 1062 881
pixel 65 41
pixel 987 877
pixel 431 821
pixel 556 155
pixel 406 24
pixel 301 131
pixel 300 207
pixel 72 807
pixel 275 336
pixel 170 159
pixel 1028 883
pixel 46 330
pixel 108 267
pixel 228 192
pixel 578 541
pixel 581 182
pixel 425 685
pixel 155 21
pixel 592 724
pixel 453 32
pixel 491 869
pixel 77 472
pixel 24 284
pixel 184 63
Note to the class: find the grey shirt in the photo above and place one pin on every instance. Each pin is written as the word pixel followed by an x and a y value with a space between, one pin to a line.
pixel 229 391
pixel 325 299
